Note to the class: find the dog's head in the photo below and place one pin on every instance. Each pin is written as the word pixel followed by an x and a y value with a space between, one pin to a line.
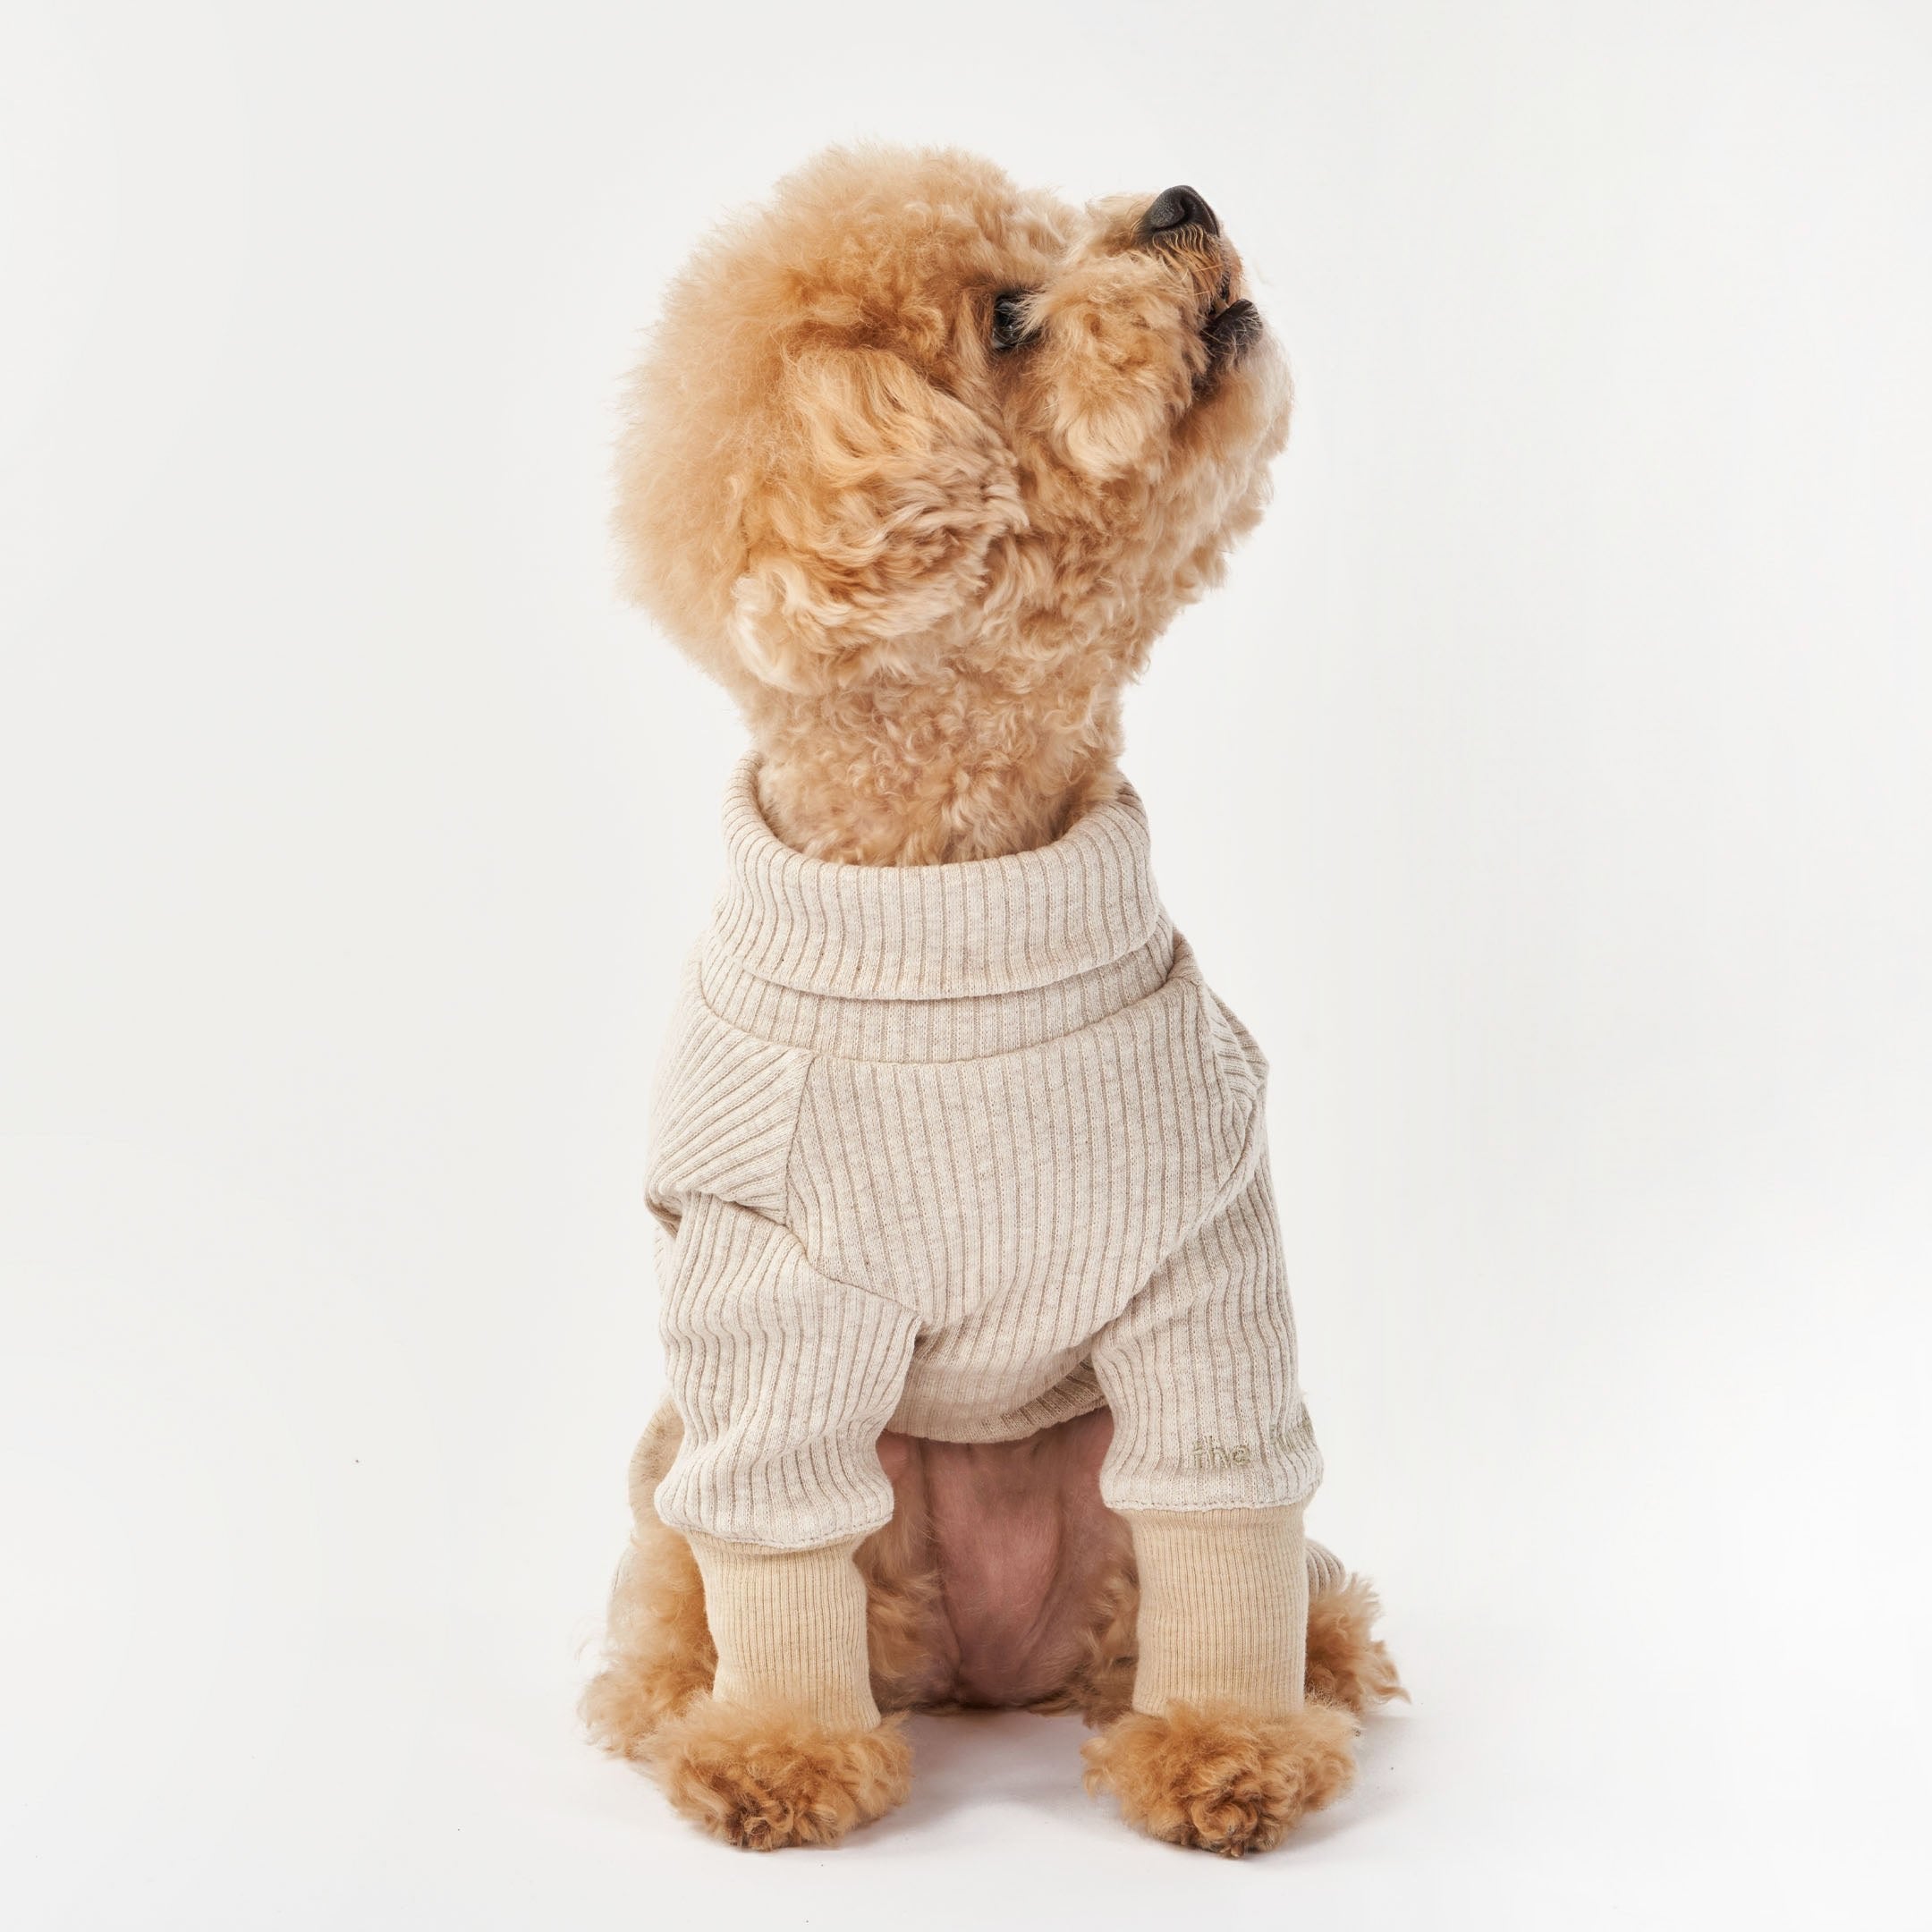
pixel 907 417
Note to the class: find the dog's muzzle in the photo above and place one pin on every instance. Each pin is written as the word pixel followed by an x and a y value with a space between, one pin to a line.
pixel 1180 218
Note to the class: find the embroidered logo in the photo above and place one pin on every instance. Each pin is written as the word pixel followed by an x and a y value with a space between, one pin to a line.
pixel 1209 1452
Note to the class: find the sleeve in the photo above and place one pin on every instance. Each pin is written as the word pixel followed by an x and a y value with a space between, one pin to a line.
pixel 1200 1371
pixel 782 1377
pixel 785 1379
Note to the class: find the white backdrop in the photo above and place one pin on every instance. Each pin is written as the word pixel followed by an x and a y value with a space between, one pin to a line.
pixel 1574 696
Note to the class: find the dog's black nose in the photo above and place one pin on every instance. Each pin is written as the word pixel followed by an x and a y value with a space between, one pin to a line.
pixel 1178 208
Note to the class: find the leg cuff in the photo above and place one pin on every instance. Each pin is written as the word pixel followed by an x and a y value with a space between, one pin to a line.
pixel 789 1627
pixel 1223 1608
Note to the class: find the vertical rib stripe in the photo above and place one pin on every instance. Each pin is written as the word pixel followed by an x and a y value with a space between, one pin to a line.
pixel 963 1150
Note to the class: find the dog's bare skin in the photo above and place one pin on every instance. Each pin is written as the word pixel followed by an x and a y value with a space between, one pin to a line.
pixel 919 467
pixel 1021 1552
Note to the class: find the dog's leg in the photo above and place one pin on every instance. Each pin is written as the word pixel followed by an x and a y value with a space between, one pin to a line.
pixel 1222 1749
pixel 788 1749
pixel 1347 1663
pixel 770 1745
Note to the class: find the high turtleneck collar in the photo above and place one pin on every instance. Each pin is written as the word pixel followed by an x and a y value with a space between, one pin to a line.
pixel 983 927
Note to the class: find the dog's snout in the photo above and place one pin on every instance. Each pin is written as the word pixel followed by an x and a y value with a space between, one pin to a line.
pixel 1178 208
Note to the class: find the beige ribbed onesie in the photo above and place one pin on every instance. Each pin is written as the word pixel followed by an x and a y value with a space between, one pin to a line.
pixel 963 1150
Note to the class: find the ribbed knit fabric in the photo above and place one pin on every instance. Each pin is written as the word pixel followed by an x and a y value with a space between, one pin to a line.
pixel 1224 1609
pixel 1325 1568
pixel 962 1150
pixel 789 1627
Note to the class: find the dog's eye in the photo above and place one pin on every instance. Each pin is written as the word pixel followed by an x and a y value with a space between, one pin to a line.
pixel 1010 319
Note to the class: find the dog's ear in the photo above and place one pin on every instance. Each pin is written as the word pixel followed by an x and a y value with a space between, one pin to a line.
pixel 872 519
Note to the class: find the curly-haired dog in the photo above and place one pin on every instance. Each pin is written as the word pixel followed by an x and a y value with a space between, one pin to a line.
pixel 983 1371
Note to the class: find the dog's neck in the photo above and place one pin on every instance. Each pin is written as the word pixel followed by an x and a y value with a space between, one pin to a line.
pixel 927 774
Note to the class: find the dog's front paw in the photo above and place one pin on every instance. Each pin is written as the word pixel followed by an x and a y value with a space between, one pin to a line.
pixel 769 1778
pixel 1211 1775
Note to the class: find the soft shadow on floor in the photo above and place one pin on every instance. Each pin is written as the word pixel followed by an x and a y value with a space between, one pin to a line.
pixel 967 1757
pixel 1031 1764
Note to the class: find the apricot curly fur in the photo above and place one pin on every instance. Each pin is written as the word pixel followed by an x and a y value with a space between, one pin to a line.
pixel 657 1649
pixel 1212 1776
pixel 927 568
pixel 1347 1665
pixel 1100 1687
pixel 904 1626
pixel 766 1777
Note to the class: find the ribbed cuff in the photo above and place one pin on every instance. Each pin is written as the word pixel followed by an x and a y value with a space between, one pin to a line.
pixel 789 1627
pixel 1223 1608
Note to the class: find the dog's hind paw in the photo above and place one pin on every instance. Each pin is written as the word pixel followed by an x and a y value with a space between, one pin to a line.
pixel 767 1778
pixel 629 1701
pixel 1347 1663
pixel 1213 1776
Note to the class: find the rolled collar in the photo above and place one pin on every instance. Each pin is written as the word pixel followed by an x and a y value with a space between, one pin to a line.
pixel 982 927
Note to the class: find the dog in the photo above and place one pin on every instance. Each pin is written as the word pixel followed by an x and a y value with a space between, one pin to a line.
pixel 983 1373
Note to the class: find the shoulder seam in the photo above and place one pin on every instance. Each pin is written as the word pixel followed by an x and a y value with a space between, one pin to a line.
pixel 1248 1096
pixel 798 1115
